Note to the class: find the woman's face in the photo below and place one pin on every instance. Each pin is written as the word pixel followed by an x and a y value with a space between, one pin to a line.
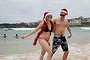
pixel 49 17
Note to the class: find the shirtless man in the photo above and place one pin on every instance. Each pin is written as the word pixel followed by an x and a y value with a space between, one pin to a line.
pixel 59 39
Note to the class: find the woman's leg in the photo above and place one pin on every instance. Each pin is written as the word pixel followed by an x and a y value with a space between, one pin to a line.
pixel 46 47
pixel 42 54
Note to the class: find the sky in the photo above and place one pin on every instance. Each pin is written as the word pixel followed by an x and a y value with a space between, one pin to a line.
pixel 16 11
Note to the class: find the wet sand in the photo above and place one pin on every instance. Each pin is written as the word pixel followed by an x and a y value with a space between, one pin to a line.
pixel 76 52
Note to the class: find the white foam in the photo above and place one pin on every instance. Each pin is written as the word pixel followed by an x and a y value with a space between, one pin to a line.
pixel 23 28
pixel 85 28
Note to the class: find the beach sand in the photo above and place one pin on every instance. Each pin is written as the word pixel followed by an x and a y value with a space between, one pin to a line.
pixel 76 52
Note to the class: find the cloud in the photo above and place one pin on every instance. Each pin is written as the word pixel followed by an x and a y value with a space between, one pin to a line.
pixel 32 10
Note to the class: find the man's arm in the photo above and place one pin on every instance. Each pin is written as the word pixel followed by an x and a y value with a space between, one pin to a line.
pixel 69 30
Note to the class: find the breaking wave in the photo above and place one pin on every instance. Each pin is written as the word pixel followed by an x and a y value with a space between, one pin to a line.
pixel 22 28
pixel 85 28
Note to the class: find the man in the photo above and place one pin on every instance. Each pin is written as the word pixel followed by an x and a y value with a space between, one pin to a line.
pixel 59 39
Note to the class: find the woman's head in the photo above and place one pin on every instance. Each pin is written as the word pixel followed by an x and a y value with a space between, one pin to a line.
pixel 47 16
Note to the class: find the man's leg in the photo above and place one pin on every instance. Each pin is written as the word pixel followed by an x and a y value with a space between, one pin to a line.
pixel 64 46
pixel 65 55
pixel 56 44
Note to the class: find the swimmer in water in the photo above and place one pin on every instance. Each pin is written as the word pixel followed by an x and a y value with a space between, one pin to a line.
pixel 17 36
pixel 4 36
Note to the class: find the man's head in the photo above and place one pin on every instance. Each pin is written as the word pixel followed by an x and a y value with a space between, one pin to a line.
pixel 63 12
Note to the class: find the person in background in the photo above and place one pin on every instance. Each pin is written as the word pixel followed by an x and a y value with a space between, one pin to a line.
pixel 45 27
pixel 17 36
pixel 59 29
pixel 4 36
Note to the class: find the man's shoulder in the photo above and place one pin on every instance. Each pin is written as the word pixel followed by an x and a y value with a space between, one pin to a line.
pixel 66 20
pixel 55 19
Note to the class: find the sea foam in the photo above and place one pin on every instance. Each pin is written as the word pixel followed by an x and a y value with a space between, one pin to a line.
pixel 85 28
pixel 22 28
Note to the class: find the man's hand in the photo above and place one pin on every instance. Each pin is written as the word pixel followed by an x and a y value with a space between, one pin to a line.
pixel 70 36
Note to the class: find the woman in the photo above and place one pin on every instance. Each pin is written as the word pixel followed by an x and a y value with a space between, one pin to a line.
pixel 43 36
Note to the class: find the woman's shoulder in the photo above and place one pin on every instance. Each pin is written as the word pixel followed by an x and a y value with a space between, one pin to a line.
pixel 42 22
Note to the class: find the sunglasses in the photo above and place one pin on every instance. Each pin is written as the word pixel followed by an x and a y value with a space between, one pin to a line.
pixel 49 16
pixel 62 15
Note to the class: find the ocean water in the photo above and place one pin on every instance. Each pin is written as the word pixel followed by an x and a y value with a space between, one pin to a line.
pixel 22 49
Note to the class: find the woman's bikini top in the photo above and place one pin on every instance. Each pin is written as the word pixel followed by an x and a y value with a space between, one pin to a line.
pixel 47 30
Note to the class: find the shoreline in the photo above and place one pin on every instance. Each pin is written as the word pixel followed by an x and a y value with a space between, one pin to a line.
pixel 77 52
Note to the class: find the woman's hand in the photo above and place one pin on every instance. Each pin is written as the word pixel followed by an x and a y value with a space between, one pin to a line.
pixel 23 37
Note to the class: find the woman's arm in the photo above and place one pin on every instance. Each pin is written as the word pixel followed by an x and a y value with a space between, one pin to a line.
pixel 33 31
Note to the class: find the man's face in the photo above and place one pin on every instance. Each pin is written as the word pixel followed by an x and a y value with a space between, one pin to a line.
pixel 62 15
